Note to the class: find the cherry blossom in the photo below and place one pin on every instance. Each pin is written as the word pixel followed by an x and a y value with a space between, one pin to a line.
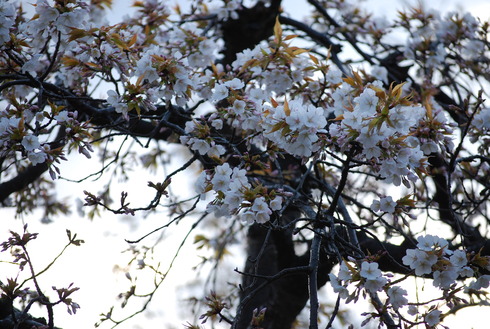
pixel 397 297
pixel 290 141
pixel 433 318
pixel 370 271
pixel 30 142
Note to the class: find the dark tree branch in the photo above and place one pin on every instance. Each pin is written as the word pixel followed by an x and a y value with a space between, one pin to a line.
pixel 22 180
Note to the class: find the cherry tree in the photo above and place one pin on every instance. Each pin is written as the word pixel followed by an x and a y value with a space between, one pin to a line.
pixel 344 151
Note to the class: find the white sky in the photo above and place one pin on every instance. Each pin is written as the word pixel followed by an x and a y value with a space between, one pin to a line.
pixel 91 266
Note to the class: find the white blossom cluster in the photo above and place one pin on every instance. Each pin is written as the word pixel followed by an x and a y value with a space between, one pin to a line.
pixel 436 36
pixel 234 193
pixel 227 9
pixel 15 135
pixel 370 277
pixel 432 257
pixel 50 21
pixel 272 75
pixel 295 128
pixel 397 161
pixel 174 65
pixel 171 70
pixel 385 204
pixel 12 132
pixel 7 20
pixel 198 140
pixel 481 120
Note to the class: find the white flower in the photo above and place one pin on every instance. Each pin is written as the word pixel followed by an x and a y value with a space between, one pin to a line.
pixel 201 183
pixel 344 273
pixel 37 157
pixel 277 81
pixel 39 116
pixel 223 170
pixel 481 120
pixel 220 92
pixel 216 150
pixel 30 142
pixel 13 122
pixel 334 76
pixel 239 107
pixel 4 125
pixel 68 20
pixel 337 287
pixel 430 242
pixel 458 259
pixel 112 97
pixel 420 261
pixel 352 120
pixel 366 102
pixel 369 138
pixel 207 47
pixel 371 152
pixel 370 271
pixel 217 123
pixel 258 95
pixel 262 217
pixel 444 279
pixel 380 73
pixel 154 94
pixel 7 9
pixel 33 66
pixel 375 206
pixel 411 257
pixel 412 310
pixel 433 318
pixel 239 179
pixel 397 298
pixel 221 179
pixel 199 145
pixel 190 126
pixel 62 117
pixel 482 282
pixel 235 84
pixel 233 199
pixel 342 98
pixel 424 265
pixel 197 60
pixel 429 147
pixel 248 217
pixel 295 119
pixel 385 204
pixel 260 205
pixel 6 23
pixel 219 210
pixel 276 203
pixel 377 284
pixel 123 109
pixel 144 68
pixel 220 183
pixel 466 272
pixel 304 121
pixel 46 12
